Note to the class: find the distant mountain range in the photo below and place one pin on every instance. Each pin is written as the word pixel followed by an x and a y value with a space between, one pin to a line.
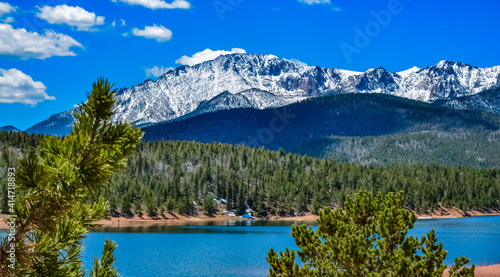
pixel 56 125
pixel 351 115
pixel 488 101
pixel 266 81
pixel 373 129
pixel 9 128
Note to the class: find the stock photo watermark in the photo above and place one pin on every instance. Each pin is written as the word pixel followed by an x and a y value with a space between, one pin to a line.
pixel 277 124
pixel 12 218
pixel 36 24
pixel 456 116
pixel 363 35
pixel 222 7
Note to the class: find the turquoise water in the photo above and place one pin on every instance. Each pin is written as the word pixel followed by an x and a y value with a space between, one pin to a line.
pixel 239 248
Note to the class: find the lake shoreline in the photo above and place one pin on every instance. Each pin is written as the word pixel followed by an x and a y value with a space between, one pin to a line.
pixel 489 268
pixel 442 212
pixel 177 219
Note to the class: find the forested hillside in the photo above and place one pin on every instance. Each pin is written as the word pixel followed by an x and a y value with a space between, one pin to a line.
pixel 488 100
pixel 474 148
pixel 162 173
pixel 183 176
pixel 390 130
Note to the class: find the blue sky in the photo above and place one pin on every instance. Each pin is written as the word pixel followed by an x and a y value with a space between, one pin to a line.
pixel 76 41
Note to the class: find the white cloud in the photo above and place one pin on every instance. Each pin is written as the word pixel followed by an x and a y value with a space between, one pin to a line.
pixel 72 16
pixel 25 45
pixel 158 4
pixel 122 22
pixel 206 55
pixel 322 2
pixel 8 19
pixel 6 8
pixel 17 87
pixel 159 33
pixel 312 2
pixel 156 71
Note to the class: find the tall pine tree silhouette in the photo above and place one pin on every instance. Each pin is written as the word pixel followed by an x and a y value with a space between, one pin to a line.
pixel 53 185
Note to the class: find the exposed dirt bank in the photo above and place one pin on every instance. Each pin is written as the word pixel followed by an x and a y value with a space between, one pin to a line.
pixel 176 219
pixel 483 271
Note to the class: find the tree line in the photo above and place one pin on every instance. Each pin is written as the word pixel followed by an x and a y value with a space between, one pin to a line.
pixel 188 177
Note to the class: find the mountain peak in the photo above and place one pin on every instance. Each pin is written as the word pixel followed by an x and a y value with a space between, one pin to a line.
pixel 9 128
pixel 443 63
pixel 409 71
pixel 263 81
pixel 448 64
pixel 246 56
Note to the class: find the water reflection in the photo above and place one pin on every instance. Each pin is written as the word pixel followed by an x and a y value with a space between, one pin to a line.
pixel 223 227
pixel 239 248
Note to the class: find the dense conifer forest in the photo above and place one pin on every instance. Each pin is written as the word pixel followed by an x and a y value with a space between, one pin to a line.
pixel 188 178
pixel 370 129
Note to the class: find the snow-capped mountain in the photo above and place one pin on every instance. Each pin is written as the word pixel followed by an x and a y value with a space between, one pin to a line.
pixel 9 128
pixel 263 81
pixel 59 124
pixel 180 91
pixel 252 98
pixel 488 101
pixel 447 80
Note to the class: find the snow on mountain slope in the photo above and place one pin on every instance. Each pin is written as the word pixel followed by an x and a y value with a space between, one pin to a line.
pixel 261 81
pixel 447 80
pixel 406 73
pixel 261 99
pixel 9 128
pixel 180 91
pixel 488 101
pixel 56 125
pixel 252 98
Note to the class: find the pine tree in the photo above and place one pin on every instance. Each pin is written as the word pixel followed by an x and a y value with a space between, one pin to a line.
pixel 240 201
pixel 368 239
pixel 138 208
pixel 126 206
pixel 151 207
pixel 52 215
pixel 170 204
pixel 209 205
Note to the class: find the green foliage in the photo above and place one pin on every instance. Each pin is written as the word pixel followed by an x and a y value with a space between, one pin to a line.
pixel 104 267
pixel 126 206
pixel 54 183
pixel 185 206
pixel 170 205
pixel 209 205
pixel 376 129
pixel 270 182
pixel 138 208
pixel 472 148
pixel 369 238
pixel 458 269
pixel 284 264
pixel 151 207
